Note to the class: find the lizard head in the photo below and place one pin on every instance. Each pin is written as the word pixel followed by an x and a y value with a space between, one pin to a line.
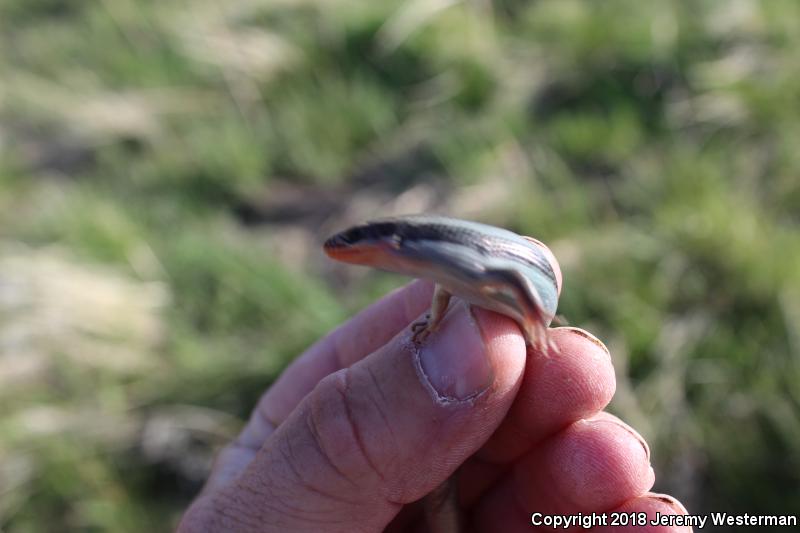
pixel 374 244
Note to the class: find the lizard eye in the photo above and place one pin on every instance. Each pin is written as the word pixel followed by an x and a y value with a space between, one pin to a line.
pixel 345 238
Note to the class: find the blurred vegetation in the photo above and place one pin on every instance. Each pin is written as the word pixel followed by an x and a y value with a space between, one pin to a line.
pixel 169 168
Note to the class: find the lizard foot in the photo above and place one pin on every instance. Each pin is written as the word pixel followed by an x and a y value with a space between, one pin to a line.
pixel 421 330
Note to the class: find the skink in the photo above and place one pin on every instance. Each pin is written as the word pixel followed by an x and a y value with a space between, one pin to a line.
pixel 486 266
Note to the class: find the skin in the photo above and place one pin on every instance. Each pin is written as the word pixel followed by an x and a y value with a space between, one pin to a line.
pixel 365 423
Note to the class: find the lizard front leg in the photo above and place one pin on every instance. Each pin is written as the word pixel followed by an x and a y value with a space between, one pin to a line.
pixel 439 303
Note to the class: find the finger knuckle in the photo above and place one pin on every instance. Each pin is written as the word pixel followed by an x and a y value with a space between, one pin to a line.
pixel 345 433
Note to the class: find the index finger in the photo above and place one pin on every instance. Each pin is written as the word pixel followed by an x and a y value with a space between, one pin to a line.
pixel 355 339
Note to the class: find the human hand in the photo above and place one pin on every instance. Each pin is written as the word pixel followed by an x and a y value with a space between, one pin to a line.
pixel 365 423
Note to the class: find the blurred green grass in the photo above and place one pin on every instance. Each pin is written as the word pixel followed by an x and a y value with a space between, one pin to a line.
pixel 168 170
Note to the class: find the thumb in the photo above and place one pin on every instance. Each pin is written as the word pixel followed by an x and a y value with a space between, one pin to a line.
pixel 379 434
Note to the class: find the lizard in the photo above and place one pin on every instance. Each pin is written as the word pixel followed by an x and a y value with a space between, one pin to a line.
pixel 487 266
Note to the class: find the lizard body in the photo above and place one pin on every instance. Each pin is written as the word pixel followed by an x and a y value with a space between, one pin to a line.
pixel 487 266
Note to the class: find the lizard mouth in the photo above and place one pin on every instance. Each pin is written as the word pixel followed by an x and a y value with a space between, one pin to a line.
pixel 334 243
pixel 340 249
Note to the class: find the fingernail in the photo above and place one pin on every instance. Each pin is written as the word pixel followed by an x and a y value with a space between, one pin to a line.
pixel 586 335
pixel 453 359
pixel 676 506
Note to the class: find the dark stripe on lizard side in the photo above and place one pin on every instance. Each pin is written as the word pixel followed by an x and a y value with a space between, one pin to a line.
pixel 485 243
